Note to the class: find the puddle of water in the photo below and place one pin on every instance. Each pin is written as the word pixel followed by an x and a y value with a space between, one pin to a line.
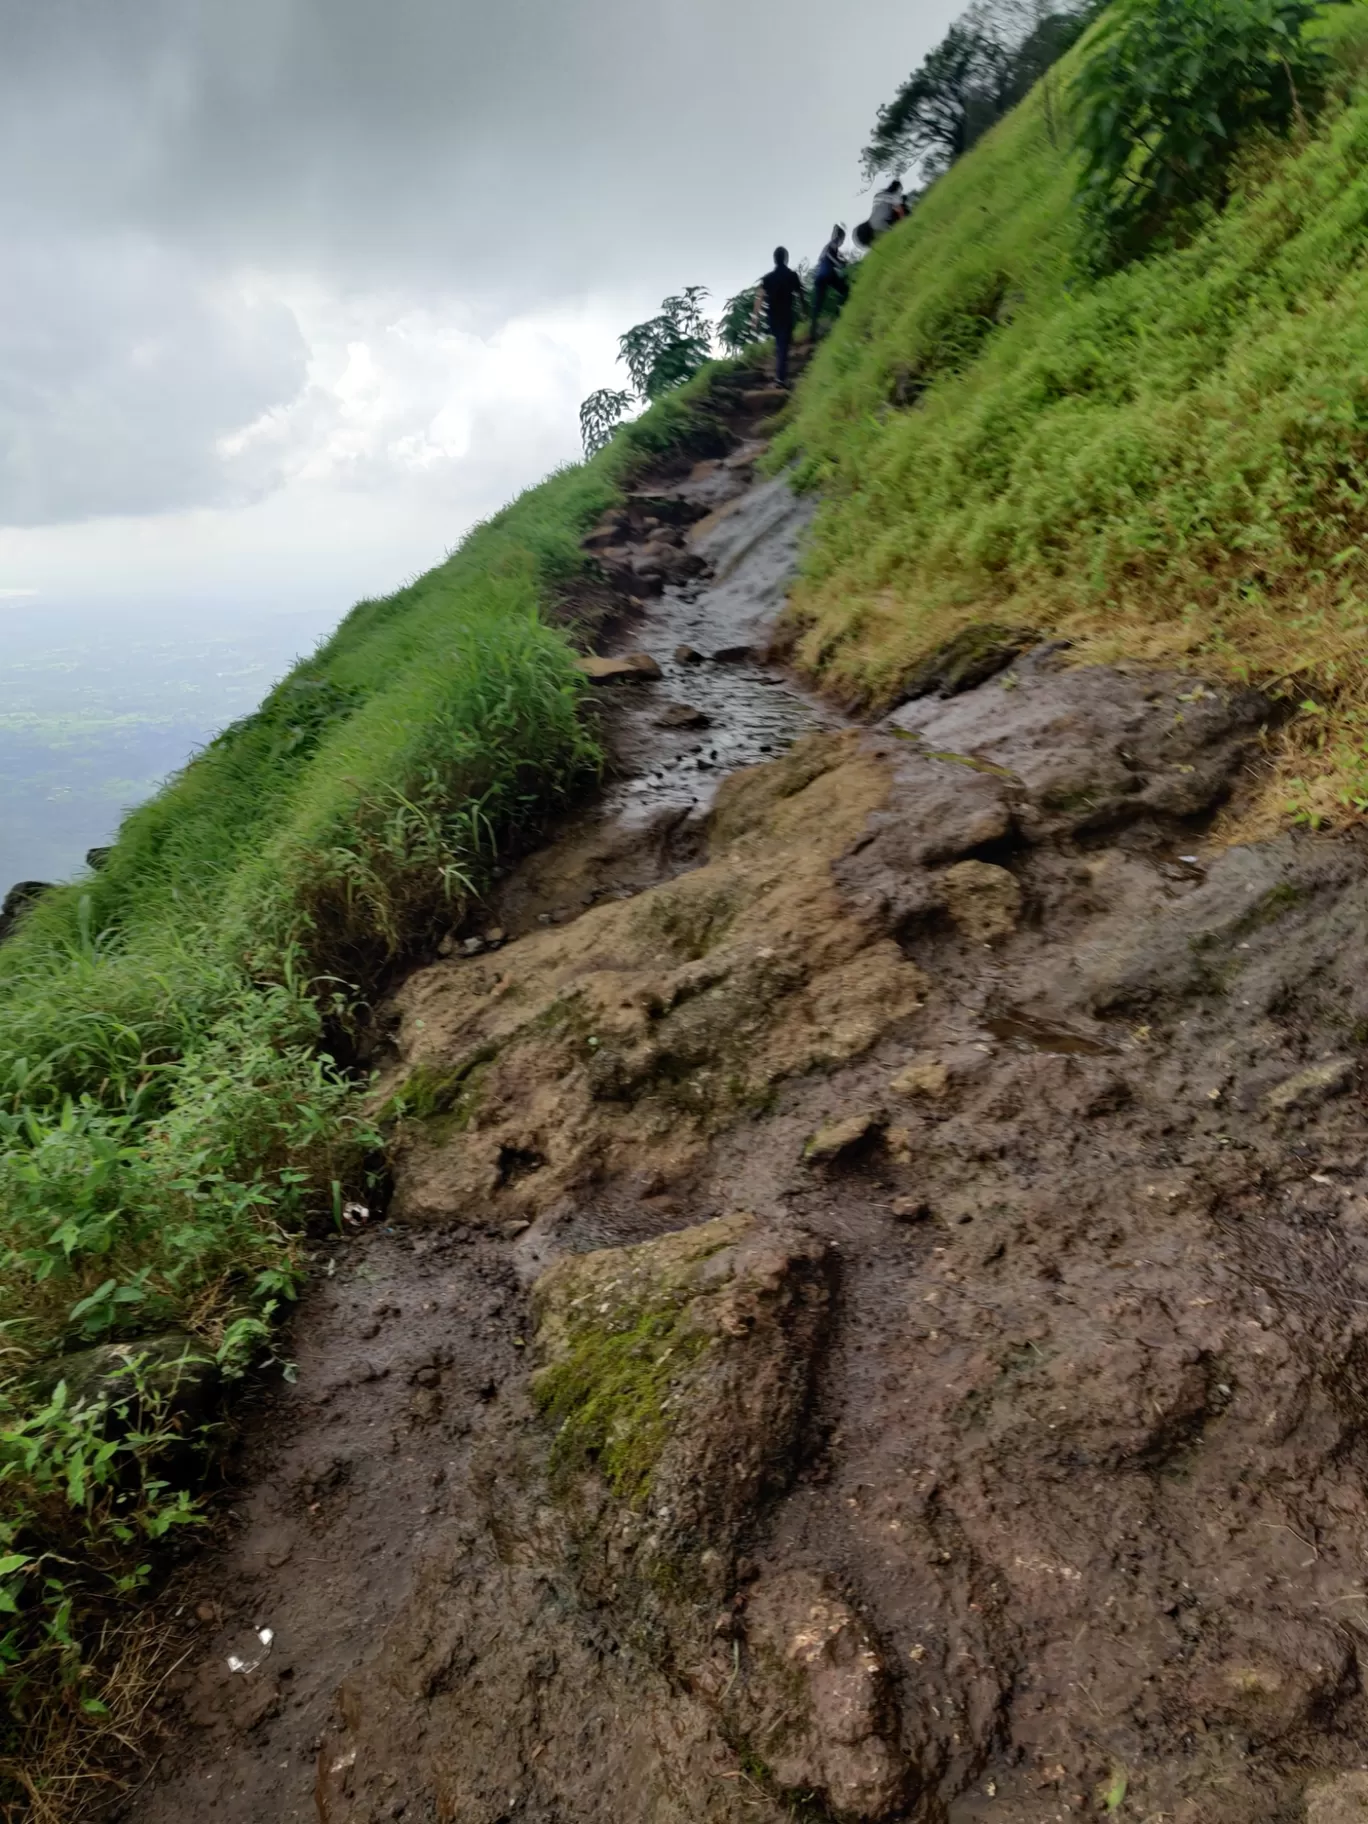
pixel 1029 1034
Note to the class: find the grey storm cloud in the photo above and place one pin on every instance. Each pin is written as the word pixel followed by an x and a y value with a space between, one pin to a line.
pixel 508 153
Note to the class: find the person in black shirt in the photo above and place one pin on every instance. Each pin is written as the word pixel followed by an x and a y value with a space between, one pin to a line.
pixel 782 288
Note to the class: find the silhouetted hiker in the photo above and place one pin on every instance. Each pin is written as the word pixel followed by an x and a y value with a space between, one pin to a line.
pixel 781 287
pixel 830 275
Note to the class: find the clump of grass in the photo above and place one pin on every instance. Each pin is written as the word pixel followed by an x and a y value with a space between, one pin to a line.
pixel 1170 463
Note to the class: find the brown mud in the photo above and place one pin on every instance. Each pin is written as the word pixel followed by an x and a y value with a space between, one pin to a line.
pixel 873 1319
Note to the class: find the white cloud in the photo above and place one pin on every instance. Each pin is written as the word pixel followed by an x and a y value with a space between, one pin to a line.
pixel 305 282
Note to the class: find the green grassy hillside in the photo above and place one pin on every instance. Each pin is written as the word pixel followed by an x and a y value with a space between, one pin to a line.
pixel 172 1116
pixel 1169 463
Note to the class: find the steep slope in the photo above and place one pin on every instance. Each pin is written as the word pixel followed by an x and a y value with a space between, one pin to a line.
pixel 1169 463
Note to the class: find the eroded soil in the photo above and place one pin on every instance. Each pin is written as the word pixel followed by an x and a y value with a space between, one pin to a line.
pixel 873 1322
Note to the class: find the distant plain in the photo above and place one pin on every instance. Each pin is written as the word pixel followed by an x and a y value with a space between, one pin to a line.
pixel 99 702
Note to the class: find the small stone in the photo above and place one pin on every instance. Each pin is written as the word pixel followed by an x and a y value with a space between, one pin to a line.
pixel 512 1230
pixel 909 1209
pixel 733 655
pixel 839 1137
pixel 1316 1084
pixel 683 715
pixel 687 655
pixel 472 946
pixel 982 899
pixel 922 1077
pixel 447 945
pixel 427 1377
pixel 631 668
pixel 495 937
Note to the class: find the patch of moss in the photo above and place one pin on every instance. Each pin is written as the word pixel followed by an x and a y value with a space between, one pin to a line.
pixel 430 1094
pixel 609 1395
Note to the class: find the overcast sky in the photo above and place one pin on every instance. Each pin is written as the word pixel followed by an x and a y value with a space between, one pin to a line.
pixel 295 290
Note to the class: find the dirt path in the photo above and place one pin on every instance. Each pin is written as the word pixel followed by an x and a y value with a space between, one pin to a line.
pixel 965 1420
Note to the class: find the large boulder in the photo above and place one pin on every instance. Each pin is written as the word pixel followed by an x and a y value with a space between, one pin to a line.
pixel 172 1377
pixel 676 1374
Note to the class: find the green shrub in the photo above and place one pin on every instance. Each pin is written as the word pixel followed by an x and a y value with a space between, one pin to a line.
pixel 1169 93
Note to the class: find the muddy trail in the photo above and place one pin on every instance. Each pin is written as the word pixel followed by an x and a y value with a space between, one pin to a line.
pixel 872 1321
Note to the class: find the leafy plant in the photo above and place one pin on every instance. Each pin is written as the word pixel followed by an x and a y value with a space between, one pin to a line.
pixel 669 348
pixel 736 327
pixel 600 416
pixel 660 355
pixel 1171 90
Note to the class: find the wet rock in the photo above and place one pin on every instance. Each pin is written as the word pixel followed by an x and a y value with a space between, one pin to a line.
pixel 967 660
pixel 818 1706
pixel 1194 946
pixel 701 994
pixel 1317 1083
pixel 922 1077
pixel 842 1137
pixel 688 655
pixel 631 668
pixel 1341 1800
pixel 1090 748
pixel 18 901
pixel 683 715
pixel 175 1368
pixel 945 806
pixel 608 533
pixel 734 655
pixel 983 900
pixel 699 1429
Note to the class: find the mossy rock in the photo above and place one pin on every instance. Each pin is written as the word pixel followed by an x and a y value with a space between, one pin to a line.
pixel 675 1374
pixel 969 659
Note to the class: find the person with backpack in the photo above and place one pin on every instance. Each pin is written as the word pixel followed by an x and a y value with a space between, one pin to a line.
pixel 890 206
pixel 780 288
pixel 830 275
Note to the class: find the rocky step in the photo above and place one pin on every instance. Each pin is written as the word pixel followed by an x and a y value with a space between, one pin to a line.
pixel 627 668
